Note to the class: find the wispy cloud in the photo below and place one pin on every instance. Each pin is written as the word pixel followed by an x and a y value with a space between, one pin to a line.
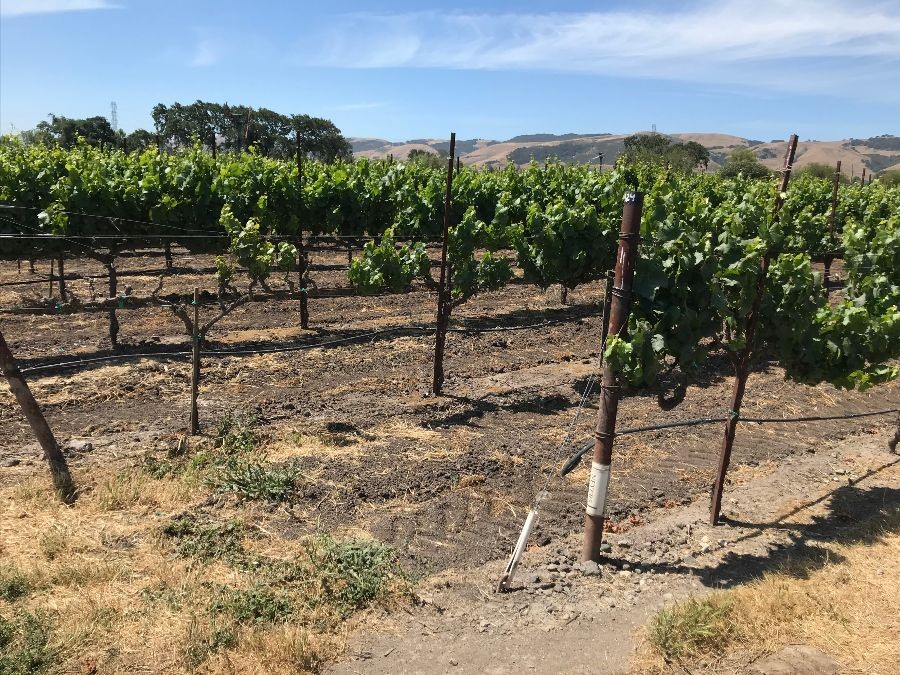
pixel 346 107
pixel 206 53
pixel 761 42
pixel 22 7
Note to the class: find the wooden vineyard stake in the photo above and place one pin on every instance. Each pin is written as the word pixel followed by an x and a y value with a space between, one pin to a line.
pixel 444 284
pixel 59 470
pixel 742 358
pixel 604 434
pixel 195 366
pixel 302 263
pixel 831 221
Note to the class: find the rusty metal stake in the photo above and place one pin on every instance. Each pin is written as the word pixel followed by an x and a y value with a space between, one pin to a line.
pixel 443 304
pixel 620 306
pixel 59 470
pixel 831 220
pixel 62 278
pixel 742 360
pixel 195 366
pixel 302 263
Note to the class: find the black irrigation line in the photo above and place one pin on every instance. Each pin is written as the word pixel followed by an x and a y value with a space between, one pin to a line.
pixel 292 348
pixel 575 459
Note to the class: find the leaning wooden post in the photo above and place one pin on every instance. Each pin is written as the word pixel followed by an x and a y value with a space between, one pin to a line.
pixel 618 310
pixel 742 360
pixel 59 470
pixel 831 220
pixel 440 335
pixel 302 263
pixel 195 364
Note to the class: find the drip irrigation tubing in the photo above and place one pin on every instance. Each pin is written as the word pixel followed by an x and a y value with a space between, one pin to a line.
pixel 575 459
pixel 270 350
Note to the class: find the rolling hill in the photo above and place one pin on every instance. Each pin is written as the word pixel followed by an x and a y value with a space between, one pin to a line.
pixel 874 154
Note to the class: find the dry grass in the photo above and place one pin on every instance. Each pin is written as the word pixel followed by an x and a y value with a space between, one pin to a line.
pixel 116 593
pixel 842 601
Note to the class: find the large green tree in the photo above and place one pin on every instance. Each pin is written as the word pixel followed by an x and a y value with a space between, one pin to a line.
pixel 65 131
pixel 654 148
pixel 743 161
pixel 237 127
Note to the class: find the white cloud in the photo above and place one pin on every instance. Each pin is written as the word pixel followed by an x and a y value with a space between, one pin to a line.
pixel 22 7
pixel 814 45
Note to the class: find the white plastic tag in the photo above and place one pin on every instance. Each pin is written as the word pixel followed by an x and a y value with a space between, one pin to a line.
pixel 597 488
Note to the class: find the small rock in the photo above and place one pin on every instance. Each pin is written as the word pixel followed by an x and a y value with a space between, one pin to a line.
pixel 454 662
pixel 624 543
pixel 797 660
pixel 77 445
pixel 605 548
pixel 557 588
pixel 12 461
pixel 589 568
pixel 552 567
pixel 533 579
pixel 625 573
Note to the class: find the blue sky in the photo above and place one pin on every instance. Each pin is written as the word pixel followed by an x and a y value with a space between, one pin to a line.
pixel 826 69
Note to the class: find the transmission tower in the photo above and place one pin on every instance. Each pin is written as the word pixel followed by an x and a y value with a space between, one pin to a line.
pixel 114 116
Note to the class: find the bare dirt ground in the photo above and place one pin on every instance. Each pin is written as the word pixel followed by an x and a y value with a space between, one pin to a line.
pixel 446 480
pixel 562 620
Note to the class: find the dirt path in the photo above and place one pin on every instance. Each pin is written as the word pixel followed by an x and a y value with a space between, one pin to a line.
pixel 563 620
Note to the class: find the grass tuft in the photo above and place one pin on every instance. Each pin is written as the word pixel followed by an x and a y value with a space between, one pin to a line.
pixel 693 628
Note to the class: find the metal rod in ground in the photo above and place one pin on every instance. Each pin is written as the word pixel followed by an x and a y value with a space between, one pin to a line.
pixel 443 304
pixel 831 222
pixel 742 360
pixel 302 262
pixel 113 291
pixel 195 366
pixel 620 306
pixel 59 470
pixel 62 277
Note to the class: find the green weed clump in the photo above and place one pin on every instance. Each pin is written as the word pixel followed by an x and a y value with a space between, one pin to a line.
pixel 353 573
pixel 258 604
pixel 234 464
pixel 13 584
pixel 256 481
pixel 692 628
pixel 25 644
pixel 205 540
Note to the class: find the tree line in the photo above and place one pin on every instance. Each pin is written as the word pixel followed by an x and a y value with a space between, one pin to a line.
pixel 219 127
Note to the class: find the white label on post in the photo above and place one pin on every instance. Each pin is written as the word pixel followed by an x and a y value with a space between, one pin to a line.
pixel 597 488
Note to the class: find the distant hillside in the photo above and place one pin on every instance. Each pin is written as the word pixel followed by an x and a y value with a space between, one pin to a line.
pixel 874 154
